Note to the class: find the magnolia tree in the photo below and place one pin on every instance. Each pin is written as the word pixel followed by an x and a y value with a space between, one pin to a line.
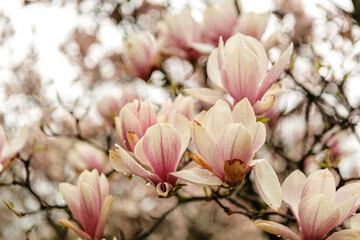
pixel 209 121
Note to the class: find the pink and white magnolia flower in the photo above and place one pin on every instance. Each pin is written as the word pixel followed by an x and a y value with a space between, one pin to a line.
pixel 89 202
pixel 240 68
pixel 316 205
pixel 181 104
pixel 9 149
pixel 219 21
pixel 156 156
pixel 226 142
pixel 108 107
pixel 140 54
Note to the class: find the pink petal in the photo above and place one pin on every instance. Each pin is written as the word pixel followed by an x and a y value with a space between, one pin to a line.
pixel 347 208
pixel 127 122
pixel 253 24
pixel 347 198
pixel 198 176
pixel 206 95
pixel 72 225
pixel 244 113
pixel 161 146
pixel 273 75
pixel 212 68
pixel 258 135
pixel 214 124
pixel 207 148
pixel 241 74
pixel 146 115
pixel 236 143
pixel 181 124
pixel 292 188
pixel 122 162
pixel 321 181
pixel 264 105
pixel 104 215
pixel 267 183
pixel 347 234
pixel 276 229
pixel 317 216
pixel 90 207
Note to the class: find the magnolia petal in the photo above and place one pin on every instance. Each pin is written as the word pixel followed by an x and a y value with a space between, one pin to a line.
pixel 321 181
pixel 90 204
pixel 206 147
pixel 258 135
pixel 292 188
pixel 347 191
pixel 221 53
pixel 214 124
pixel 258 49
pixel 236 143
pixel 120 160
pixel 132 139
pixel 72 225
pixel 347 234
pixel 203 48
pixel 212 68
pixel 181 124
pixel 104 186
pixel 206 95
pixel 268 184
pixel 104 215
pixel 146 115
pixel 161 146
pixel 275 72
pixel 128 122
pixel 253 24
pixel 197 158
pixel 241 74
pixel 276 229
pixel 261 107
pixel 317 216
pixel 243 113
pixel 15 145
pixel 355 221
pixel 347 208
pixel 198 176
pixel 71 196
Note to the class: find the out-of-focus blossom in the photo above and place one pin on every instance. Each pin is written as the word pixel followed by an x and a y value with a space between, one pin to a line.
pixel 156 156
pixel 219 21
pixel 181 104
pixel 133 121
pixel 90 203
pixel 240 68
pixel 84 156
pixel 180 33
pixel 108 108
pixel 252 24
pixel 226 142
pixel 316 205
pixel 349 234
pixel 140 54
pixel 9 149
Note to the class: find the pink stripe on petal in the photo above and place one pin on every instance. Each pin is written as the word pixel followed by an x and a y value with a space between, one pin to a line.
pixel 161 146
pixel 104 215
pixel 90 205
pixel 321 181
pixel 317 216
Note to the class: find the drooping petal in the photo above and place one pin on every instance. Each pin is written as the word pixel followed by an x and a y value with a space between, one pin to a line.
pixel 206 147
pixel 104 215
pixel 162 145
pixel 241 74
pixel 236 143
pixel 268 184
pixel 206 95
pixel 347 234
pixel 122 162
pixel 317 216
pixel 212 68
pixel 198 176
pixel 292 188
pixel 72 225
pixel 276 229
pixel 213 123
pixel 244 113
pixel 321 181
pixel 273 75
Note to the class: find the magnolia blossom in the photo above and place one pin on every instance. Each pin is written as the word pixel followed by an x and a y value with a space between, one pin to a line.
pixel 108 108
pixel 156 156
pixel 85 156
pixel 240 68
pixel 219 21
pixel 181 104
pixel 226 142
pixel 140 54
pixel 316 205
pixel 9 149
pixel 252 24
pixel 181 34
pixel 89 202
